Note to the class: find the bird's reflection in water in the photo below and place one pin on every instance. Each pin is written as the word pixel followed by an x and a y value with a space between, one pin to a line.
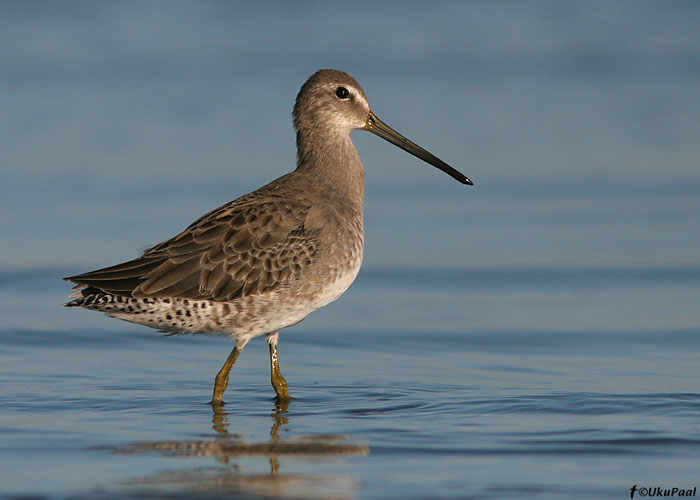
pixel 230 450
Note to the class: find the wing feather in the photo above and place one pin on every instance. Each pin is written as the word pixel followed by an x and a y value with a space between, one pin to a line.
pixel 237 250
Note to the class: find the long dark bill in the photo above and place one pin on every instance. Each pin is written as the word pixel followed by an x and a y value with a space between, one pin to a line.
pixel 378 127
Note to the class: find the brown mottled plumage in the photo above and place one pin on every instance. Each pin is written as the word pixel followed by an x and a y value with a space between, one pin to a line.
pixel 267 259
pixel 246 247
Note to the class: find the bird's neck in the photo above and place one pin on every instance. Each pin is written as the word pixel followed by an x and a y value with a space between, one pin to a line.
pixel 333 164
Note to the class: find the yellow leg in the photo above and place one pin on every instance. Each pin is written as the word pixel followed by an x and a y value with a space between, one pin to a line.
pixel 278 381
pixel 221 381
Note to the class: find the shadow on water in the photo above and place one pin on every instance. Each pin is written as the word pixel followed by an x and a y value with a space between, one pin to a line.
pixel 232 479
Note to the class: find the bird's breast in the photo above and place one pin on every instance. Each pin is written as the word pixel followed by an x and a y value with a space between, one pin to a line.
pixel 339 258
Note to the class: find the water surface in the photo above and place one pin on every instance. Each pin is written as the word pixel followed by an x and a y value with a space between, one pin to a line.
pixel 534 336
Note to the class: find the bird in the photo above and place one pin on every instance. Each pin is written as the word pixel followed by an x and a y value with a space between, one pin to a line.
pixel 264 261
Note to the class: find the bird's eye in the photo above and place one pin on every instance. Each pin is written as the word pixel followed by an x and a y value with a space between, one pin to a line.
pixel 342 93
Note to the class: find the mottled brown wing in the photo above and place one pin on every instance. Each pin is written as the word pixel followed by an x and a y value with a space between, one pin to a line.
pixel 235 251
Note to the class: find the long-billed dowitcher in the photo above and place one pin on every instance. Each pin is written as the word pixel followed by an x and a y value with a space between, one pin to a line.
pixel 264 261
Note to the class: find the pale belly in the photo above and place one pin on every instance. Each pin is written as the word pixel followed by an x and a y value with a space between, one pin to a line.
pixel 243 318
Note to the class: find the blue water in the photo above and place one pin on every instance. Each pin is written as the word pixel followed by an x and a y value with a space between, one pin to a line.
pixel 533 336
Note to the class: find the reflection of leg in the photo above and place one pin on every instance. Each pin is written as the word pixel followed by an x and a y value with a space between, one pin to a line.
pixel 221 381
pixel 219 421
pixel 278 381
pixel 280 420
pixel 274 465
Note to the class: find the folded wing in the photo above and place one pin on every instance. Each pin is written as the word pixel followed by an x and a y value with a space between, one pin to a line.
pixel 232 252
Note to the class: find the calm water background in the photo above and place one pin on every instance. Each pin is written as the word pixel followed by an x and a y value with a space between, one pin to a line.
pixel 535 336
